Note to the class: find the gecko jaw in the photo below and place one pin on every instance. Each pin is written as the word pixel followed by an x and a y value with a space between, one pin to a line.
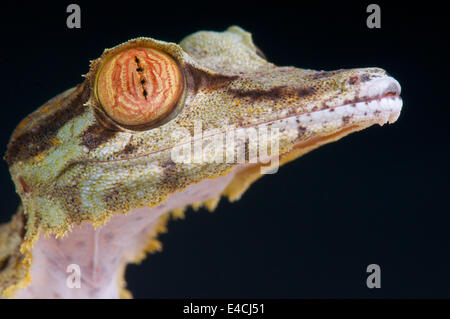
pixel 378 102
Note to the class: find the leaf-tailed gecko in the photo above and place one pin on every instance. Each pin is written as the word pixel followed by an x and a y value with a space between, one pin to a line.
pixel 101 167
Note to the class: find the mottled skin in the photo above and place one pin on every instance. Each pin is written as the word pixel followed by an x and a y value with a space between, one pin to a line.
pixel 73 165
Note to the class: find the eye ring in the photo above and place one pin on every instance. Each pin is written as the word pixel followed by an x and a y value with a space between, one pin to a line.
pixel 139 87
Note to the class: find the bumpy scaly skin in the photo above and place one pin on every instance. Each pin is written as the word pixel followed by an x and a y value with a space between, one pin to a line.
pixel 73 165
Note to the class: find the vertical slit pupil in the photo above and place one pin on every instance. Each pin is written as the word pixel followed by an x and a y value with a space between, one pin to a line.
pixel 142 81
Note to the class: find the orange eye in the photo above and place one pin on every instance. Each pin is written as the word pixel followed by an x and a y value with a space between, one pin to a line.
pixel 139 86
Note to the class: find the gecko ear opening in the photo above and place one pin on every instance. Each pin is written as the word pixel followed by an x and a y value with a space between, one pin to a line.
pixel 139 86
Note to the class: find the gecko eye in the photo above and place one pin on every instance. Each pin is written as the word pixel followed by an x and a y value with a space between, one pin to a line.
pixel 139 86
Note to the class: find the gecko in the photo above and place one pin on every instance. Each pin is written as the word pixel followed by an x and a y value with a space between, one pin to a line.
pixel 102 167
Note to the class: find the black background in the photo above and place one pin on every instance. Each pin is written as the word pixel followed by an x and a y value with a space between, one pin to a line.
pixel 309 231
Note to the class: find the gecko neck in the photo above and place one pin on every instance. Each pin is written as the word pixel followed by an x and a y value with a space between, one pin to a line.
pixel 101 254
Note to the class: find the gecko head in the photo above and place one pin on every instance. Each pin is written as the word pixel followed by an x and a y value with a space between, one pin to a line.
pixel 152 118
